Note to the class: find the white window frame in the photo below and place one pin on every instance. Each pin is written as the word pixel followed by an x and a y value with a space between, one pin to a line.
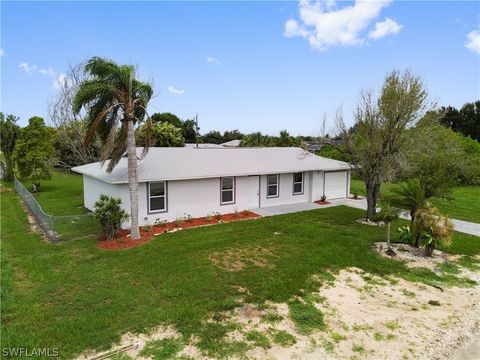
pixel 222 190
pixel 298 182
pixel 277 186
pixel 149 197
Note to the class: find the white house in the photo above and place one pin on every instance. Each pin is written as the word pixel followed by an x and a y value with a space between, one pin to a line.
pixel 174 182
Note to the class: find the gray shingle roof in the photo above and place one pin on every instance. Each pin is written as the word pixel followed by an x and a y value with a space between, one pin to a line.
pixel 192 163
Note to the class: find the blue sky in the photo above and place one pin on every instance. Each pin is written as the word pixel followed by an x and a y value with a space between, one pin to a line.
pixel 276 65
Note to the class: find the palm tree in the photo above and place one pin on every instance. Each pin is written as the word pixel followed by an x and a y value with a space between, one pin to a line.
pixel 115 101
pixel 388 214
pixel 411 196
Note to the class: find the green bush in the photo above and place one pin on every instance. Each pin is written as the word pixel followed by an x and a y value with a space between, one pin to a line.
pixel 110 215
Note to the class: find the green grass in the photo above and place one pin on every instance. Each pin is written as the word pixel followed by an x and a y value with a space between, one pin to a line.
pixel 162 349
pixel 259 339
pixel 74 297
pixel 282 338
pixel 464 206
pixel 306 317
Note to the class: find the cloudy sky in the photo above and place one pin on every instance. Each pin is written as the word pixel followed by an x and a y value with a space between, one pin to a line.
pixel 247 65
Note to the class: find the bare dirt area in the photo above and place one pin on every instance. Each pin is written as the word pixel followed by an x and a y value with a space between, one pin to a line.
pixel 364 317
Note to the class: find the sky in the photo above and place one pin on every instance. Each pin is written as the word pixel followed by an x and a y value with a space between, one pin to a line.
pixel 252 66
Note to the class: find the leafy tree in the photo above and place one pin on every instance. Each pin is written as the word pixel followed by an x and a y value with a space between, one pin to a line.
pixel 189 131
pixel 212 137
pixel 377 144
pixel 162 134
pixel 230 135
pixel 115 102
pixel 257 140
pixel 411 196
pixel 168 118
pixel 388 214
pixel 110 215
pixel 9 133
pixel 337 152
pixel 465 121
pixel 285 140
pixel 441 159
pixel 34 152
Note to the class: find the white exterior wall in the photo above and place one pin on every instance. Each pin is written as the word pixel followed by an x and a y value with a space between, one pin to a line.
pixel 200 197
pixel 93 188
pixel 285 193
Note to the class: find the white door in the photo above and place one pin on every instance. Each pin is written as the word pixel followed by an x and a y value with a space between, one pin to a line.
pixel 253 192
pixel 335 184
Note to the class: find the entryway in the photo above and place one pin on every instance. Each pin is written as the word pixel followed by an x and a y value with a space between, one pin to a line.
pixel 254 192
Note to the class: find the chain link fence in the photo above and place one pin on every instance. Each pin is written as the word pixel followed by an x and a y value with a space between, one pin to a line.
pixel 58 228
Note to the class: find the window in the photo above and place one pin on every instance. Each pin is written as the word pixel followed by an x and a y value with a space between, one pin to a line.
pixel 272 185
pixel 157 196
pixel 227 190
pixel 298 183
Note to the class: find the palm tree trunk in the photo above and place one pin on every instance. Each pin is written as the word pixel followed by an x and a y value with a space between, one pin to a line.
pixel 388 237
pixel 132 180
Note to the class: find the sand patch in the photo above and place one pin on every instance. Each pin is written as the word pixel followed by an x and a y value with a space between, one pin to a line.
pixel 238 259
pixel 415 257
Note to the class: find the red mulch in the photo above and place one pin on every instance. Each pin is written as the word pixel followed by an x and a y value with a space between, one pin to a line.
pixel 124 241
pixel 320 202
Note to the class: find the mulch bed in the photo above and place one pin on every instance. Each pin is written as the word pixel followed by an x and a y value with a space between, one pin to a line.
pixel 320 202
pixel 124 241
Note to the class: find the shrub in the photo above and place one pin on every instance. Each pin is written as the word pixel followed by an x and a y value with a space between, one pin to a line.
pixel 110 215
pixel 434 228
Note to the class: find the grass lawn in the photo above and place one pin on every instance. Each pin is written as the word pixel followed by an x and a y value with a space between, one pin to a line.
pixel 62 196
pixel 72 296
pixel 464 206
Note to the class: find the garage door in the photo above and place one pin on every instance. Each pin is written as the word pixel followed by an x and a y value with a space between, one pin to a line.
pixel 335 184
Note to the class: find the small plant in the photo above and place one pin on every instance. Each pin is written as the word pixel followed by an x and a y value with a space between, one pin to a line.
pixel 405 234
pixel 323 198
pixel 160 222
pixel 217 215
pixel 235 213
pixel 388 214
pixel 147 227
pixel 209 217
pixel 110 215
pixel 187 217
pixel 434 228
pixel 355 195
pixel 178 222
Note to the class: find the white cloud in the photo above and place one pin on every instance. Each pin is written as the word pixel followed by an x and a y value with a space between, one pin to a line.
pixel 29 69
pixel 175 91
pixel 473 41
pixel 212 60
pixel 48 71
pixel 384 28
pixel 324 24
pixel 2 53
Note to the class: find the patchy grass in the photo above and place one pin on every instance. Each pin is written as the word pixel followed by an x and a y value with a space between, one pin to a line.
pixel 306 317
pixel 79 297
pixel 258 339
pixel 282 338
pixel 449 268
pixel 162 349
pixel 337 337
pixel 408 293
pixel 272 318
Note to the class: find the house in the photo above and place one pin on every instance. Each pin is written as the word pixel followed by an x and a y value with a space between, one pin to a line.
pixel 175 182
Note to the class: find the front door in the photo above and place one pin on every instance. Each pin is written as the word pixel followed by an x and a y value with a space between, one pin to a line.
pixel 254 192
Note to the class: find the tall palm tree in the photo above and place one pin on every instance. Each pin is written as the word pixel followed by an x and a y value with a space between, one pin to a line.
pixel 115 101
pixel 411 196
